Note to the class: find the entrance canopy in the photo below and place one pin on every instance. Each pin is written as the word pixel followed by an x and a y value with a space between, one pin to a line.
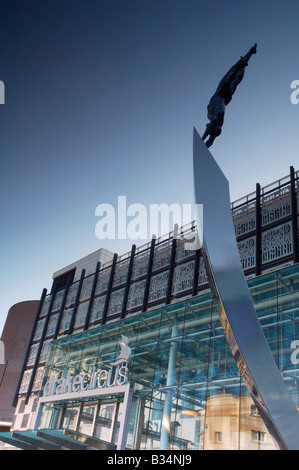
pixel 54 439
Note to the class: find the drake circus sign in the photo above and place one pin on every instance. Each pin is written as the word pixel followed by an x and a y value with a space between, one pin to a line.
pixel 116 375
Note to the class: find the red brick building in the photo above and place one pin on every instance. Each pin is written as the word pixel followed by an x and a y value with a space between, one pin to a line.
pixel 15 337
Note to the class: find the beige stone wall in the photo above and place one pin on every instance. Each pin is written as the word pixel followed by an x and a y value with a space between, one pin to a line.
pixel 232 423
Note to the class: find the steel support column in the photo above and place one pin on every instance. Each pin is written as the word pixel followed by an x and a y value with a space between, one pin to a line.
pixel 62 306
pixel 294 214
pixel 128 281
pixel 196 273
pixel 148 275
pixel 170 274
pixel 171 380
pixel 108 294
pixel 258 230
pixel 40 346
pixel 93 290
pixel 73 318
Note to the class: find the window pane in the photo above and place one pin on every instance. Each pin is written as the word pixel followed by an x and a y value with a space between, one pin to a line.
pixel 69 418
pixel 86 419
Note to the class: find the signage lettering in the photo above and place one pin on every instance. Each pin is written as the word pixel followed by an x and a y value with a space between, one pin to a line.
pixel 116 376
pixel 294 94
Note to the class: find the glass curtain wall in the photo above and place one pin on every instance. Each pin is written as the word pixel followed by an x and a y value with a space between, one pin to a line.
pixel 188 393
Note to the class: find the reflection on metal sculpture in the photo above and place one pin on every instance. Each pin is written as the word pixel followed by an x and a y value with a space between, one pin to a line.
pixel 237 314
pixel 223 95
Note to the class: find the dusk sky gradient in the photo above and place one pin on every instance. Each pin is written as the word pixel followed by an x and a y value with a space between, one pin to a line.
pixel 101 97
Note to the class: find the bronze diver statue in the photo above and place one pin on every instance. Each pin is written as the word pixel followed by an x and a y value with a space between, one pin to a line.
pixel 223 95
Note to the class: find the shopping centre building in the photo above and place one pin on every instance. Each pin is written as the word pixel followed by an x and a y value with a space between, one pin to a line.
pixel 127 352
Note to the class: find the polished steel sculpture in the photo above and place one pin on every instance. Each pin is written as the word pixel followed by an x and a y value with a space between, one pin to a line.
pixel 237 314
pixel 223 95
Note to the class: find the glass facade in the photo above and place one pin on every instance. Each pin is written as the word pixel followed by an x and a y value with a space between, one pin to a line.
pixel 188 393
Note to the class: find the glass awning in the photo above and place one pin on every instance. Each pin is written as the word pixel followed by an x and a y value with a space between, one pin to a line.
pixel 54 439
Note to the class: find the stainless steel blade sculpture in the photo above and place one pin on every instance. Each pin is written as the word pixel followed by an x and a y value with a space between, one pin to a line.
pixel 237 314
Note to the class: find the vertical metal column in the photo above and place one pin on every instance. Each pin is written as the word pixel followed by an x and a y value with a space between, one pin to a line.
pixel 171 380
pixel 258 230
pixel 171 269
pixel 124 424
pixel 93 290
pixel 294 214
pixel 38 415
pixel 40 346
pixel 72 322
pixel 63 302
pixel 148 275
pixel 138 423
pixel 41 303
pixel 128 281
pixel 105 311
pixel 196 273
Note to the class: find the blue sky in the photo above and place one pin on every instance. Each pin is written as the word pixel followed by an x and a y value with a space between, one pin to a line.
pixel 101 97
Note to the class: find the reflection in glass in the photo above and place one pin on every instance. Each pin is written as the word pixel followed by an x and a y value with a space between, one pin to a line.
pixel 86 419
pixel 208 406
pixel 104 422
pixel 69 417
